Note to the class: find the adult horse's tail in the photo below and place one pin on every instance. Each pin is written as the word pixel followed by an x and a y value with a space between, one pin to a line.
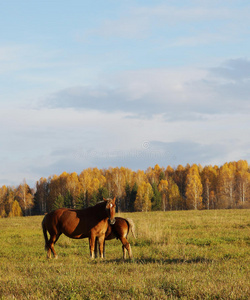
pixel 131 227
pixel 45 233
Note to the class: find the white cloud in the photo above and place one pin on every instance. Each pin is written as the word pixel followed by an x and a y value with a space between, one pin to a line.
pixel 177 14
pixel 183 93
pixel 139 22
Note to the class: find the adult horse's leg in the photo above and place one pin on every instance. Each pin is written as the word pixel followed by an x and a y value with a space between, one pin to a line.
pixel 54 232
pixel 52 241
pixel 92 240
pixel 52 245
pixel 47 247
pixel 96 247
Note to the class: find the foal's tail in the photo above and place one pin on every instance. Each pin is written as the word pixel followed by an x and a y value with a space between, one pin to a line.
pixel 45 233
pixel 131 227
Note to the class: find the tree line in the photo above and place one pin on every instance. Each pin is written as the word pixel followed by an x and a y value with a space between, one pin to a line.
pixel 157 188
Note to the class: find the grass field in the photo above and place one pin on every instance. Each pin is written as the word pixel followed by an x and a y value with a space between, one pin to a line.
pixel 186 255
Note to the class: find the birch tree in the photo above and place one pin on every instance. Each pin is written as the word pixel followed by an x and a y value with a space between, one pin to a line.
pixel 143 197
pixel 194 188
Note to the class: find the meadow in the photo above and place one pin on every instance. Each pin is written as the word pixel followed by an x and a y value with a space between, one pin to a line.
pixel 177 255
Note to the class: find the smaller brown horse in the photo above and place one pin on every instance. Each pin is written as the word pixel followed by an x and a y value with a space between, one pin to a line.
pixel 91 222
pixel 119 230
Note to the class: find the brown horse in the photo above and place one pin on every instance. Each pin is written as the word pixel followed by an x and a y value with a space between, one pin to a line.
pixel 119 230
pixel 91 222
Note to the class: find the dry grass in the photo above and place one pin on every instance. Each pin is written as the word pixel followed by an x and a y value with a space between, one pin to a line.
pixel 187 255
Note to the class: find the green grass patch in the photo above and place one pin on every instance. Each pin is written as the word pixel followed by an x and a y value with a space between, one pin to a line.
pixel 177 255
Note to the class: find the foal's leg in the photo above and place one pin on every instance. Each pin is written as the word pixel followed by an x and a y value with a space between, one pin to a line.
pixel 96 247
pixel 102 246
pixel 126 245
pixel 124 252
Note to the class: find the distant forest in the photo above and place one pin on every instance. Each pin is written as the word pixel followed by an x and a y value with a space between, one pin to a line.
pixel 157 188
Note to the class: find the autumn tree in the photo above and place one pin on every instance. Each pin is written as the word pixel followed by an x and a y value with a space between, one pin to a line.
pixel 25 198
pixel 73 189
pixel 10 198
pixel 169 172
pixel 118 188
pixel 242 183
pixel 208 177
pixel 180 178
pixel 54 191
pixel 3 198
pixel 140 177
pixel 143 197
pixel 85 180
pixel 226 186
pixel 174 196
pixel 194 188
pixel 91 180
pixel 154 175
pixel 163 189
pixel 16 210
pixel 42 194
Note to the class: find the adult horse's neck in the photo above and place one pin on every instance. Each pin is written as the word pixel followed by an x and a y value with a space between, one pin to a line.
pixel 100 210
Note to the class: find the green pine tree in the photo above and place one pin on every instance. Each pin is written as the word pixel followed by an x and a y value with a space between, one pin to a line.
pixel 156 199
pixel 59 202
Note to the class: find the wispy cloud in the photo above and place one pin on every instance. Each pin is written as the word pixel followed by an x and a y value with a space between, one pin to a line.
pixel 233 69
pixel 147 92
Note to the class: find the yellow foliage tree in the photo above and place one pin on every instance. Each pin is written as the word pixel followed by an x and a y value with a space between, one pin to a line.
pixel 25 197
pixel 3 197
pixel 163 189
pixel 226 186
pixel 73 187
pixel 243 182
pixel 16 210
pixel 194 189
pixel 91 180
pixel 143 197
pixel 209 176
pixel 140 177
pixel 174 197
pixel 42 193
pixel 153 174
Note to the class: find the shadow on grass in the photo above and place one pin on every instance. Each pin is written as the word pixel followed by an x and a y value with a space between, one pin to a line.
pixel 151 260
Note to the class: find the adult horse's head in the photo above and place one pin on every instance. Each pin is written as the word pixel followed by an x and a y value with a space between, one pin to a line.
pixel 110 208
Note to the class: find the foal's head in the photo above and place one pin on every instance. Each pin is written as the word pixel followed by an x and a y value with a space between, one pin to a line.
pixel 110 208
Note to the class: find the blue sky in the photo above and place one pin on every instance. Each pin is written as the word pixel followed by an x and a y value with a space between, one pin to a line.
pixel 122 83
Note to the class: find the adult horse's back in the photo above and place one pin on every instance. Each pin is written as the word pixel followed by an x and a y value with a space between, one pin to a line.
pixel 91 222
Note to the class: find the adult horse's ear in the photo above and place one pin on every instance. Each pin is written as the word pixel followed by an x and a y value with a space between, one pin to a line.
pixel 113 201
